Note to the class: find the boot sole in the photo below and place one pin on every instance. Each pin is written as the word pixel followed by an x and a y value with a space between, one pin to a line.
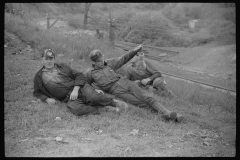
pixel 179 119
pixel 171 116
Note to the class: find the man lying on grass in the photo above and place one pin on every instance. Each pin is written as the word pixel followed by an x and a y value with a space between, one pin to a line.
pixel 103 75
pixel 59 82
pixel 145 75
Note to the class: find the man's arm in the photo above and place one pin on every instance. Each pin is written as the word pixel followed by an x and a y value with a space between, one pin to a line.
pixel 79 77
pixel 116 63
pixel 79 81
pixel 155 73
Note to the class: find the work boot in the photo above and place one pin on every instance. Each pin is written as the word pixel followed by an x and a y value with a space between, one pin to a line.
pixel 120 104
pixel 179 118
pixel 113 109
pixel 168 115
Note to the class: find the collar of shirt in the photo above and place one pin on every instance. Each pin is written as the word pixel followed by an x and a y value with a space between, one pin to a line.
pixel 47 70
pixel 137 67
pixel 99 65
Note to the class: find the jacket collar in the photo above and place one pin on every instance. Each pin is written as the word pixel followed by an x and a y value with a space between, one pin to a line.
pixel 39 73
pixel 99 66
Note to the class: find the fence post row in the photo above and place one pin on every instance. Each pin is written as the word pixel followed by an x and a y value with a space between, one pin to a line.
pixel 17 12
pixel 48 20
pixel 111 30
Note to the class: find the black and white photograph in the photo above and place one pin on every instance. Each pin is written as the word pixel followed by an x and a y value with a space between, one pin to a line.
pixel 119 79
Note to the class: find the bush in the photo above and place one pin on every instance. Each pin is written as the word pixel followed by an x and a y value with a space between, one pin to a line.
pixel 72 46
pixel 75 23
pixel 149 6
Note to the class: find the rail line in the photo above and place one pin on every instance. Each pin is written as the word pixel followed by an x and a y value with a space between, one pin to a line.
pixel 206 85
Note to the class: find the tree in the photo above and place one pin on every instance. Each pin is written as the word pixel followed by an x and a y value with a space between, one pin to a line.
pixel 87 7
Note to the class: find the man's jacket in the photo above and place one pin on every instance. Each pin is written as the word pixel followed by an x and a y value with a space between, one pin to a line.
pixel 133 72
pixel 40 91
pixel 105 76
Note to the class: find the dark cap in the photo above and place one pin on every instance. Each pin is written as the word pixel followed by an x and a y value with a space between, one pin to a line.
pixel 48 53
pixel 94 55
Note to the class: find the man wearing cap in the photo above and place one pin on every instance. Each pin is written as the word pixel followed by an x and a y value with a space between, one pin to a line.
pixel 58 82
pixel 145 74
pixel 103 75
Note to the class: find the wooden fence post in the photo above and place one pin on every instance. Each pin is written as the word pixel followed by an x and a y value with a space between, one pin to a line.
pixel 111 31
pixel 47 21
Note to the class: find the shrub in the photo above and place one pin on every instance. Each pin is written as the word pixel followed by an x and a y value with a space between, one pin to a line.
pixel 72 46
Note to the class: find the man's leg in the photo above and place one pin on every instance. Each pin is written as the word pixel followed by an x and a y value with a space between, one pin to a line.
pixel 160 87
pixel 143 95
pixel 127 87
pixel 79 108
pixel 93 98
pixel 90 96
pixel 129 98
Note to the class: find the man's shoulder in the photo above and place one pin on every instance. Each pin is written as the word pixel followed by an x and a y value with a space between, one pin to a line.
pixel 129 66
pixel 109 60
pixel 149 64
pixel 61 64
pixel 112 60
pixel 89 70
pixel 39 72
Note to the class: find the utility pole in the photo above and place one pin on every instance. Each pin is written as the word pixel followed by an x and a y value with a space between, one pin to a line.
pixel 87 6
pixel 111 25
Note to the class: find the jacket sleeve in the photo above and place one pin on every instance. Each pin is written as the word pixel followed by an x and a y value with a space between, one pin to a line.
pixel 116 63
pixel 37 92
pixel 79 77
pixel 155 73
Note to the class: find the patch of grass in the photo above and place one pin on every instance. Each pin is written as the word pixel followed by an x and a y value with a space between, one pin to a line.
pixel 199 95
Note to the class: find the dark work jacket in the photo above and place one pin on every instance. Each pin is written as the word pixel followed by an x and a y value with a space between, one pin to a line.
pixel 105 76
pixel 40 91
pixel 134 73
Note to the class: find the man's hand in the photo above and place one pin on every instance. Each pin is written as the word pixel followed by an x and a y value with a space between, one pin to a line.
pixel 99 91
pixel 138 48
pixel 145 81
pixel 164 82
pixel 74 94
pixel 51 101
pixel 136 81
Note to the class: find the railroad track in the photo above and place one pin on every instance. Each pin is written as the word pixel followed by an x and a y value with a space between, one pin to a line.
pixel 127 46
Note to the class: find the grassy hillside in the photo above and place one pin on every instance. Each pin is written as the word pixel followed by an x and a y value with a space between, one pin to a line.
pixel 30 126
pixel 160 24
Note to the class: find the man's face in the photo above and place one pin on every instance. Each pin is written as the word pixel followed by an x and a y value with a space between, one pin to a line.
pixel 101 59
pixel 48 62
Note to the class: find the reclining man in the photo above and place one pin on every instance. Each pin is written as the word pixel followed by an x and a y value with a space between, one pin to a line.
pixel 145 75
pixel 57 81
pixel 103 75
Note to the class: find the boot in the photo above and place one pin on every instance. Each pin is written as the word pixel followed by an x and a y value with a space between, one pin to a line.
pixel 120 104
pixel 166 114
pixel 179 118
pixel 113 109
pixel 170 115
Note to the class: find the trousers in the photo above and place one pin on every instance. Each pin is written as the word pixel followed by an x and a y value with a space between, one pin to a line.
pixel 131 93
pixel 89 101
